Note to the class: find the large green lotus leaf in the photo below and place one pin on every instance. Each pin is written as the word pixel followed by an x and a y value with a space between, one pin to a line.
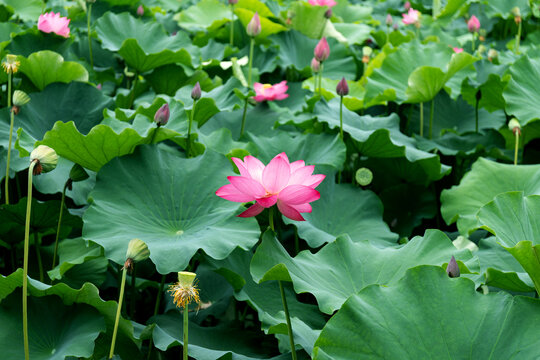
pixel 343 267
pixel 479 186
pixel 314 149
pixel 521 94
pixel 268 27
pixel 380 137
pixel 54 330
pixel 361 218
pixel 513 219
pixel 354 33
pixel 308 19
pixel 503 8
pixel 26 10
pixel 144 46
pixel 306 319
pixel 429 315
pixel 26 42
pixel 88 294
pixel 210 14
pixel 46 67
pixel 169 203
pixel 450 144
pixel 501 269
pixel 61 102
pixel 415 72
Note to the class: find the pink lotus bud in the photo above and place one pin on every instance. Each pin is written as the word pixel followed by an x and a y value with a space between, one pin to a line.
pixel 162 115
pixel 473 24
pixel 196 92
pixel 254 27
pixel 99 86
pixel 407 6
pixel 389 20
pixel 140 10
pixel 328 13
pixel 233 2
pixel 453 269
pixel 342 88
pixel 315 65
pixel 322 50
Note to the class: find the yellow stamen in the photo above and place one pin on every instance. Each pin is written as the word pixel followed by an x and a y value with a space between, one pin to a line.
pixel 184 295
pixel 267 86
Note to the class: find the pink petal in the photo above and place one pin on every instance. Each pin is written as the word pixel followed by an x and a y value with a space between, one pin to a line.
pixel 259 98
pixel 302 208
pixel 301 175
pixel 253 210
pixel 289 211
pixel 258 87
pixel 241 167
pixel 255 167
pixel 267 201
pixel 284 156
pixel 314 180
pixel 276 175
pixel 297 165
pixel 298 194
pixel 231 193
pixel 281 96
pixel 247 186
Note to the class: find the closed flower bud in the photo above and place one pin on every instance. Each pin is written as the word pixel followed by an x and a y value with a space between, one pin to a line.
pixel 514 126
pixel 254 27
pixel 137 250
pixel 407 5
pixel 196 92
pixel 389 20
pixel 516 11
pixel 453 269
pixel 328 13
pixel 342 88
pixel 46 159
pixel 322 50
pixel 473 24
pixel 233 2
pixel 78 173
pixel 162 115
pixel 315 65
pixel 20 98
pixel 140 10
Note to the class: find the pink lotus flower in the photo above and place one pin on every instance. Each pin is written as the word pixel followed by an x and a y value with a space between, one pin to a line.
pixel 51 22
pixel 473 24
pixel 271 92
pixel 412 17
pixel 457 50
pixel 328 3
pixel 289 185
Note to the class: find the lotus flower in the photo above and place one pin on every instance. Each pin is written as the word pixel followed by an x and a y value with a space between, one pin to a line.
pixel 51 22
pixel 289 185
pixel 411 17
pixel 271 92
pixel 457 50
pixel 328 3
pixel 473 24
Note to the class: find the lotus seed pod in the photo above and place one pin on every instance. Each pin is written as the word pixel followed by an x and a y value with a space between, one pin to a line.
pixel 162 115
pixel 453 269
pixel 196 92
pixel 78 173
pixel 20 98
pixel 254 26
pixel 137 250
pixel 186 278
pixel 342 88
pixel 364 176
pixel 46 158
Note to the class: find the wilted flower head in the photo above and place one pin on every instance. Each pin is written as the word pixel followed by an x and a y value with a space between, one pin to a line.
pixel 185 291
pixel 342 88
pixel 315 65
pixel 140 10
pixel 412 17
pixel 453 269
pixel 46 159
pixel 322 50
pixel 289 185
pixel 11 64
pixel 254 26
pixel 196 92
pixel 473 24
pixel 328 3
pixel 51 22
pixel 162 115
pixel 457 50
pixel 270 92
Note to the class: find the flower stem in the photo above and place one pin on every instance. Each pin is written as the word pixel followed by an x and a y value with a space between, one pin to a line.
pixel 431 117
pixel 186 319
pixel 38 254
pixel 88 14
pixel 516 149
pixel 518 37
pixel 133 291
pixel 120 298
pixel 320 79
pixel 473 38
pixel 422 119
pixel 10 138
pixel 25 262
pixel 271 217
pixel 155 133
pixel 341 117
pixel 476 113
pixel 192 115
pixel 231 38
pixel 156 310
pixel 59 224
pixel 288 318
pixel 251 46
pixel 244 117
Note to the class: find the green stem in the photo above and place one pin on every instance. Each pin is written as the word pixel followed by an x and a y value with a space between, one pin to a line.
pixel 422 119
pixel 186 319
pixel 192 115
pixel 271 217
pixel 341 117
pixel 473 38
pixel 25 263
pixel 431 117
pixel 116 322
pixel 155 133
pixel 133 290
pixel 156 310
pixel 518 37
pixel 244 117
pixel 89 12
pixel 320 80
pixel 231 38
pixel 251 47
pixel 10 138
pixel 476 113
pixel 323 27
pixel 59 224
pixel 38 254
pixel 132 95
pixel 516 149
pixel 288 318
pixel 296 241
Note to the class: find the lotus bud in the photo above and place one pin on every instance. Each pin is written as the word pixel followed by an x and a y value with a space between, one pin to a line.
pixel 453 269
pixel 342 88
pixel 196 92
pixel 514 126
pixel 395 27
pixel 46 159
pixel 473 24
pixel 254 27
pixel 389 20
pixel 233 2
pixel 366 54
pixel 322 50
pixel 11 64
pixel 407 5
pixel 481 49
pixel 492 54
pixel 78 173
pixel 20 98
pixel 162 115
pixel 140 10
pixel 517 14
pixel 99 86
pixel 315 65
pixel 364 176
pixel 328 13
pixel 137 250
pixel 482 34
